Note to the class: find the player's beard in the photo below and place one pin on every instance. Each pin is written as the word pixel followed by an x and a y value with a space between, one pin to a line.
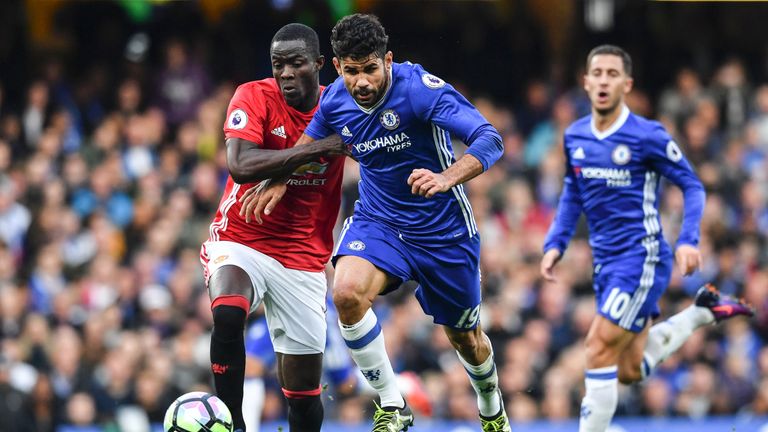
pixel 377 95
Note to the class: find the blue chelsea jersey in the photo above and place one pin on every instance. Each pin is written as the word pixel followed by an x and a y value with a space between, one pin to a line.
pixel 613 177
pixel 409 128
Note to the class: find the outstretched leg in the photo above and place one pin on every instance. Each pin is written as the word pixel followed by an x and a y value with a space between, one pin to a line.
pixel 668 336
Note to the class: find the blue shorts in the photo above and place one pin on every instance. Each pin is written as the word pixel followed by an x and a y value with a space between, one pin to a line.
pixel 628 290
pixel 448 275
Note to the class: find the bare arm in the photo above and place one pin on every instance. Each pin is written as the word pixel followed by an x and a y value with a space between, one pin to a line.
pixel 465 169
pixel 248 163
pixel 427 183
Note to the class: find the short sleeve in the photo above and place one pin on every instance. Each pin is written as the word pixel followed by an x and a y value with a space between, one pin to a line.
pixel 246 115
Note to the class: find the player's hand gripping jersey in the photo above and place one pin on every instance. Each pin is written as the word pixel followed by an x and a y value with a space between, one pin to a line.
pixel 299 232
pixel 407 129
pixel 613 177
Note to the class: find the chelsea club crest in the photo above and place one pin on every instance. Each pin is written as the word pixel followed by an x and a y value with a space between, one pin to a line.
pixel 356 245
pixel 389 119
pixel 621 155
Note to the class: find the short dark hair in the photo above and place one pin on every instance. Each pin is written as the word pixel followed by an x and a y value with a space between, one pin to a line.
pixel 297 31
pixel 612 50
pixel 358 36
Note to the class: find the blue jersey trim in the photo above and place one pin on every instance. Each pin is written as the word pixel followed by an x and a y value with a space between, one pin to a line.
pixel 602 376
pixel 365 340
pixel 481 377
pixel 646 368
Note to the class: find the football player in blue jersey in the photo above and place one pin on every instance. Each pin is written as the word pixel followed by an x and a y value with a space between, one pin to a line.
pixel 614 161
pixel 413 220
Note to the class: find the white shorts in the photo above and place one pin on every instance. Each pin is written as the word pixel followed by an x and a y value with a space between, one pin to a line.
pixel 294 300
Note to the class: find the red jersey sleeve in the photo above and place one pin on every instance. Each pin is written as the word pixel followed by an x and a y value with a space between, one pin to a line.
pixel 246 114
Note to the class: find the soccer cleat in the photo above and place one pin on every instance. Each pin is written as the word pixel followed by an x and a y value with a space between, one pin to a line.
pixel 390 419
pixel 722 307
pixel 497 423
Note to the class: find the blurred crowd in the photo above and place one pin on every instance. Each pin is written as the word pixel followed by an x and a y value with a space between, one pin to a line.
pixel 106 193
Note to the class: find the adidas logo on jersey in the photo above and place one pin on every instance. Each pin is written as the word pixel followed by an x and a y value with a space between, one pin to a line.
pixel 279 131
pixel 578 153
pixel 345 132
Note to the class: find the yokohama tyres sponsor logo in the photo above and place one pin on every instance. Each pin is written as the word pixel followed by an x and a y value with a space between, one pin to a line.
pixel 614 177
pixel 392 143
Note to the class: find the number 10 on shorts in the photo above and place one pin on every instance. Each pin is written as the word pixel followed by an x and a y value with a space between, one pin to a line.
pixel 469 317
pixel 616 304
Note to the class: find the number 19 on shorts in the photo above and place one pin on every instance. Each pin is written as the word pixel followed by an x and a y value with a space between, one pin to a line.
pixel 469 318
pixel 616 304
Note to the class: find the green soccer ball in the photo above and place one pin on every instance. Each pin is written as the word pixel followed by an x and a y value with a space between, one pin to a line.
pixel 198 412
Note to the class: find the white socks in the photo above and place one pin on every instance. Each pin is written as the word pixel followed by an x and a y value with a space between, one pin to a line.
pixel 664 338
pixel 600 400
pixel 485 381
pixel 668 336
pixel 366 344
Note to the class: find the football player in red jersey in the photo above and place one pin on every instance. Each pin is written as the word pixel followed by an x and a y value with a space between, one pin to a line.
pixel 281 260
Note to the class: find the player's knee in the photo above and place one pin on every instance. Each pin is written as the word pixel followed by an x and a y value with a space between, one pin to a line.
pixel 630 368
pixel 301 371
pixel 599 353
pixel 629 375
pixel 230 280
pixel 228 320
pixel 305 411
pixel 347 297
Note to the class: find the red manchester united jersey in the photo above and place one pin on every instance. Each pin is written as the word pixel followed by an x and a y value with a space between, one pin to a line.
pixel 299 231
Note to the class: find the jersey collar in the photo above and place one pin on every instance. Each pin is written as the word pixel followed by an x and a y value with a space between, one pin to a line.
pixel 383 98
pixel 614 127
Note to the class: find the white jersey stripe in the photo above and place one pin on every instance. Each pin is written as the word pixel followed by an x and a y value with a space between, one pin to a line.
pixel 221 224
pixel 652 248
pixel 651 245
pixel 445 161
pixel 444 156
pixel 460 187
pixel 469 206
pixel 235 189
pixel 649 274
pixel 436 139
pixel 344 229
